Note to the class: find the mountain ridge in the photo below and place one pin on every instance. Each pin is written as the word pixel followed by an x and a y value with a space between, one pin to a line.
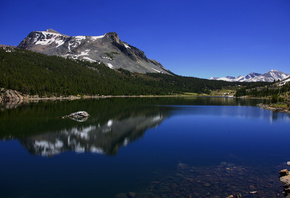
pixel 107 48
pixel 272 75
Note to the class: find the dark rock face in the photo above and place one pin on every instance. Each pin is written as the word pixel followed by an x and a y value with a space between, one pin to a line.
pixel 107 48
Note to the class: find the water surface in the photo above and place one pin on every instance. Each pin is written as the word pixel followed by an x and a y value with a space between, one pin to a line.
pixel 143 147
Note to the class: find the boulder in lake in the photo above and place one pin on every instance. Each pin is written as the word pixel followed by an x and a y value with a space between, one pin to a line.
pixel 79 116
pixel 285 179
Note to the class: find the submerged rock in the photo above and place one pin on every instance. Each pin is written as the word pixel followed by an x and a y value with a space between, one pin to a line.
pixel 220 180
pixel 284 172
pixel 285 179
pixel 79 116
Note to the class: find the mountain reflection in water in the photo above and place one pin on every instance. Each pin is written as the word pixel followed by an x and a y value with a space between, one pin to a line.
pixel 113 122
pixel 200 147
pixel 103 139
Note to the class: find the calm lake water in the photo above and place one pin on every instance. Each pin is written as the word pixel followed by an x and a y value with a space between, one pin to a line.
pixel 143 147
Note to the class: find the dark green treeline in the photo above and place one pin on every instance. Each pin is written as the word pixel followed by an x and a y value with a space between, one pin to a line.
pixel 33 73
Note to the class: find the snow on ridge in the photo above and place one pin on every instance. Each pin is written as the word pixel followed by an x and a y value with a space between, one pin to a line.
pixel 49 38
pixel 127 46
pixel 48 33
pixel 79 37
pixel 75 41
pixel 45 41
pixel 96 37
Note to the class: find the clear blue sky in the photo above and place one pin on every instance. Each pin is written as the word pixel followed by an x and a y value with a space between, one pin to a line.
pixel 200 38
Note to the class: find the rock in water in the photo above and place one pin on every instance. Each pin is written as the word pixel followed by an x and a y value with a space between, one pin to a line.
pixel 285 179
pixel 284 172
pixel 79 116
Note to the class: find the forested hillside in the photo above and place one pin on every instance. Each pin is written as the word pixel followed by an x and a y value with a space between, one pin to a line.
pixel 33 73
pixel 276 92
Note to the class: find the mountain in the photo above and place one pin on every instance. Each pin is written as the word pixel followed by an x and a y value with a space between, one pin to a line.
pixel 270 76
pixel 107 48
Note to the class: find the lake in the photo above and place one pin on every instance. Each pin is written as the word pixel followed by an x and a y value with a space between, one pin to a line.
pixel 143 147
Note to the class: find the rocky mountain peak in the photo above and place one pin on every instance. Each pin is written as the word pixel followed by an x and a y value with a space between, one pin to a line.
pixel 52 31
pixel 107 48
pixel 113 36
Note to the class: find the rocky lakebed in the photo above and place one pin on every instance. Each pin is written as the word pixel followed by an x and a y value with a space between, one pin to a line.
pixel 226 180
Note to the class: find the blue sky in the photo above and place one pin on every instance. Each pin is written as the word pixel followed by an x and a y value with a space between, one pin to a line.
pixel 200 38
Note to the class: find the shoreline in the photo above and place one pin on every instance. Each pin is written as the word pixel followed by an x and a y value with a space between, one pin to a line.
pixel 275 109
pixel 12 98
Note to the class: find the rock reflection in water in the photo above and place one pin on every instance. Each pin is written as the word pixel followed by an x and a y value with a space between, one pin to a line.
pixel 102 139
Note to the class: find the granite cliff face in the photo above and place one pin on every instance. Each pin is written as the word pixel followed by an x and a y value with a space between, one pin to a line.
pixel 107 48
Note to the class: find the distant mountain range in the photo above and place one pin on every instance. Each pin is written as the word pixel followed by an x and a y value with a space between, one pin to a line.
pixel 270 76
pixel 107 48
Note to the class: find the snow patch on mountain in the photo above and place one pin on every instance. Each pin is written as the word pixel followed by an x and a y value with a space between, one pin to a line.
pixel 89 59
pixel 93 38
pixel 110 65
pixel 48 38
pixel 127 46
pixel 78 38
pixel 285 81
pixel 156 70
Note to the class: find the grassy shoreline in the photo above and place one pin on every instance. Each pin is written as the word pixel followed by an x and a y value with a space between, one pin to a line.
pixel 275 107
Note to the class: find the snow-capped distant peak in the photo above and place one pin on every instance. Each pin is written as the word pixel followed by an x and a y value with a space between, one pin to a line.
pixel 270 76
